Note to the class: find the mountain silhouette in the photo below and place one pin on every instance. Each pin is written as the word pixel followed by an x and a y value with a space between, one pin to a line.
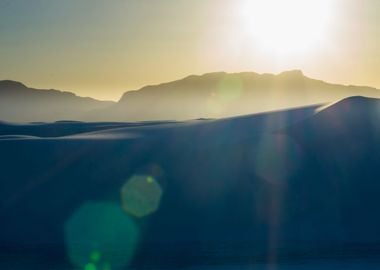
pixel 19 103
pixel 221 94
pixel 212 95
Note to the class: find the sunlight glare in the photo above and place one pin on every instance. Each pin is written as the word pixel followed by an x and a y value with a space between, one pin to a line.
pixel 286 26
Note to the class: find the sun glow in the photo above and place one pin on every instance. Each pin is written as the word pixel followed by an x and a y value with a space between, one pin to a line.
pixel 287 27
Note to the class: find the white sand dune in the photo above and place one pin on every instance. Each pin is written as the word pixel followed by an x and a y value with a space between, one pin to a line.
pixel 293 185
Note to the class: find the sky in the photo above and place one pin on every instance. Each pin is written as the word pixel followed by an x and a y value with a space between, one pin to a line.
pixel 102 48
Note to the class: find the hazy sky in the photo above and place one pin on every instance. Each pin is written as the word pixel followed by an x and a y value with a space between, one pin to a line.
pixel 102 48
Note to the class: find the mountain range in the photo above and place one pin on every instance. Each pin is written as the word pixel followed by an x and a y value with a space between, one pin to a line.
pixel 19 103
pixel 212 95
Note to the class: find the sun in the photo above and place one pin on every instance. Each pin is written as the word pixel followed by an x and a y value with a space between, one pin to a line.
pixel 286 26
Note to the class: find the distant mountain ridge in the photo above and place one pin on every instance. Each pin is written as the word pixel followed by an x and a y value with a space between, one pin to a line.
pixel 211 95
pixel 221 94
pixel 9 86
pixel 19 103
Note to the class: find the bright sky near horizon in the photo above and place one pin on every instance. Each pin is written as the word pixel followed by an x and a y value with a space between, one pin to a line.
pixel 103 48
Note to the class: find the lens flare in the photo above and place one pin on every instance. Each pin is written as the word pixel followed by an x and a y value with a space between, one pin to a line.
pixel 230 88
pixel 141 195
pixel 100 235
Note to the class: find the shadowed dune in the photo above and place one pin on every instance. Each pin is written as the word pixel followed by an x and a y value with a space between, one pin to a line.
pixel 281 186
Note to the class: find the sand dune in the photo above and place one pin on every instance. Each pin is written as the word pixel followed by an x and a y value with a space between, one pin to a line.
pixel 286 185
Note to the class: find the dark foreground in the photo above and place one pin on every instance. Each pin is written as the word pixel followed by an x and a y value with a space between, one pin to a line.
pixel 296 189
